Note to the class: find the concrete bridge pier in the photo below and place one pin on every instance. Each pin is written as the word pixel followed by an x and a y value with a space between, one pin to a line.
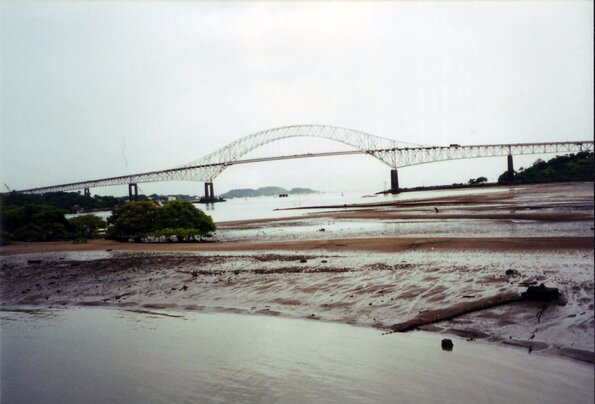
pixel 209 191
pixel 87 192
pixel 510 172
pixel 394 181
pixel 132 192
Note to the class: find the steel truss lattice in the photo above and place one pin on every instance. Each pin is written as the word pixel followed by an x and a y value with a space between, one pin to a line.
pixel 391 152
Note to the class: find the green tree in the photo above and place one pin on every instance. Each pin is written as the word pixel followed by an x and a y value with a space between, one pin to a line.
pixel 477 180
pixel 87 226
pixel 133 220
pixel 184 215
pixel 137 220
pixel 571 167
pixel 35 223
pixel 63 200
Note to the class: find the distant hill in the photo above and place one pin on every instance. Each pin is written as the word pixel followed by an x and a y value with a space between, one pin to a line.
pixel 265 191
pixel 571 167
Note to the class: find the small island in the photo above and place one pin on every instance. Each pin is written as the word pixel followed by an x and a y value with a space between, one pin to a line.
pixel 265 191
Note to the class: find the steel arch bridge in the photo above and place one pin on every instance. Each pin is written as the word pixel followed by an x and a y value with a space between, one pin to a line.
pixel 393 153
pixel 232 153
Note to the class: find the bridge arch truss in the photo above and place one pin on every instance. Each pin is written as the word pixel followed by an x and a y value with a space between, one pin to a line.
pixel 360 141
pixel 390 152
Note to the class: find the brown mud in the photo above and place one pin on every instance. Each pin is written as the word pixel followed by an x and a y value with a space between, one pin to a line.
pixel 355 244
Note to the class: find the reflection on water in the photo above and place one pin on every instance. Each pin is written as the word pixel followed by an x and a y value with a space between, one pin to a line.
pixel 96 355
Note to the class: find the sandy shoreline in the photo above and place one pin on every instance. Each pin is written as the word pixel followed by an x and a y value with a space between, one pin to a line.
pixel 356 244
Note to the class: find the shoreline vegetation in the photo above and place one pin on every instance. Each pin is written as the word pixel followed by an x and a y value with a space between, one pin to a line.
pixel 142 221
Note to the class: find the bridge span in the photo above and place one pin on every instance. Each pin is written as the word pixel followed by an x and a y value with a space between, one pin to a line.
pixel 390 152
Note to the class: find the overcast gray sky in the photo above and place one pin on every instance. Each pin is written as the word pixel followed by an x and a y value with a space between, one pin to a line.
pixel 97 89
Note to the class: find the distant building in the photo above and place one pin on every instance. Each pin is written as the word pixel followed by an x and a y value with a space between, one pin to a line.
pixel 171 198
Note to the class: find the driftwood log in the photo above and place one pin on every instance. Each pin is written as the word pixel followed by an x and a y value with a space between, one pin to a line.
pixel 533 293
pixel 434 316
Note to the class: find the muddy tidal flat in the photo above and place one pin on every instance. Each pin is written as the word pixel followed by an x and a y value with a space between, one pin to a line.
pixel 453 266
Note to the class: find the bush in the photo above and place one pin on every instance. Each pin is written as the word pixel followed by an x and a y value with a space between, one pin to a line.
pixel 35 223
pixel 87 226
pixel 181 234
pixel 133 220
pixel 184 215
pixel 139 220
pixel 478 180
pixel 4 238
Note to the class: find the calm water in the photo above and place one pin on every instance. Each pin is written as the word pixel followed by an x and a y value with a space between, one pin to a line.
pixel 266 206
pixel 91 355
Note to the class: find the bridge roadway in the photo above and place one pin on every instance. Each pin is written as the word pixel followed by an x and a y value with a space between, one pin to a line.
pixel 396 157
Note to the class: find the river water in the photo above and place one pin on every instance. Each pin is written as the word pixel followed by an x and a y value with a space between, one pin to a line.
pixel 274 207
pixel 92 355
pixel 265 207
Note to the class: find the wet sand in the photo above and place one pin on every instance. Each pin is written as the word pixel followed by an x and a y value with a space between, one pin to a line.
pixel 355 244
pixel 454 285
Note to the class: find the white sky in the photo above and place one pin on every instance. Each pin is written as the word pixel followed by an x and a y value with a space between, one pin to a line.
pixel 97 89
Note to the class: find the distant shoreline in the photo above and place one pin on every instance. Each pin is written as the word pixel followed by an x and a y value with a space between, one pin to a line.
pixel 462 186
pixel 266 191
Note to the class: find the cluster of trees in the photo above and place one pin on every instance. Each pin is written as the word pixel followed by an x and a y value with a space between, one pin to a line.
pixel 139 220
pixel 62 200
pixel 478 180
pixel 75 200
pixel 178 197
pixel 571 167
pixel 472 181
pixel 135 220
pixel 46 223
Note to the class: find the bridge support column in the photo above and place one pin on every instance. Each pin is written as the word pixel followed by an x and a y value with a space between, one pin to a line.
pixel 132 192
pixel 510 172
pixel 209 191
pixel 87 192
pixel 394 181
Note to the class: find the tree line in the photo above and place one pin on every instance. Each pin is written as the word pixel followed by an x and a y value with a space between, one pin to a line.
pixel 75 201
pixel 570 167
pixel 134 221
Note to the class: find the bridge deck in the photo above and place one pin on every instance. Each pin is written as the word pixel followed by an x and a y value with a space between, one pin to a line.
pixel 394 157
